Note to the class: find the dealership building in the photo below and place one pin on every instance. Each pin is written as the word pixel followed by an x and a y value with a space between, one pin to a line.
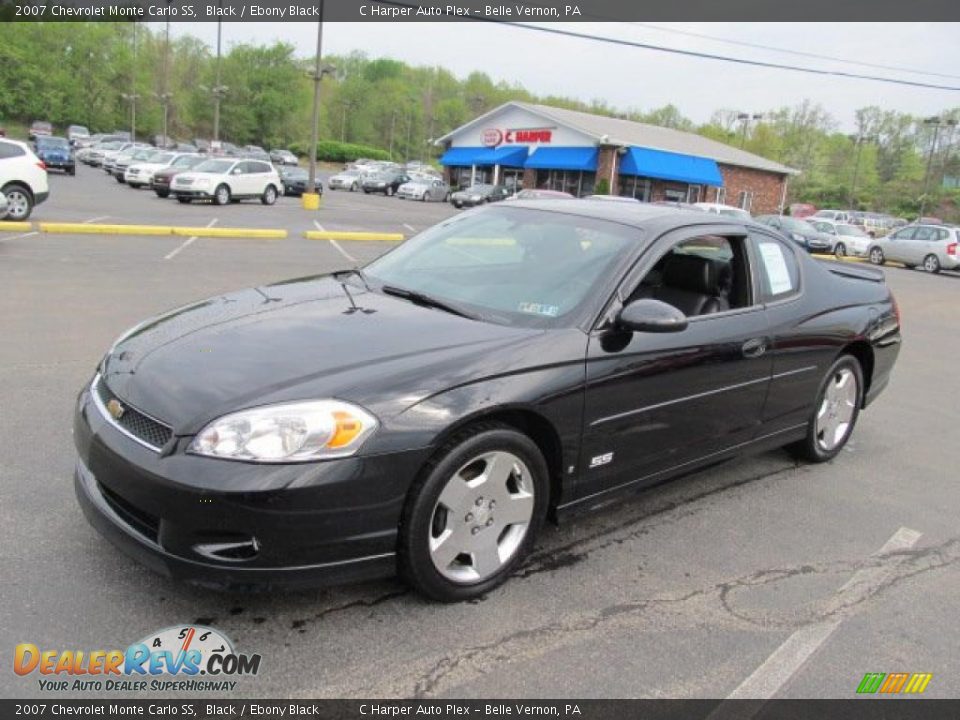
pixel 537 146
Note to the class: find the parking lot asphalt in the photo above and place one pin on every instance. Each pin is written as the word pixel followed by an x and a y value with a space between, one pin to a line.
pixel 760 576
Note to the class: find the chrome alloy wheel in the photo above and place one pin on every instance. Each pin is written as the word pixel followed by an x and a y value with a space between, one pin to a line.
pixel 837 409
pixel 18 204
pixel 481 517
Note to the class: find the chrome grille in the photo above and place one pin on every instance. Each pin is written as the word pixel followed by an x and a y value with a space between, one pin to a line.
pixel 139 426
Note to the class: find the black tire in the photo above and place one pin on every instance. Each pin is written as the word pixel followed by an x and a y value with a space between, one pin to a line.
pixel 388 191
pixel 354 187
pixel 162 193
pixel 931 264
pixel 415 564
pixel 221 196
pixel 72 171
pixel 840 250
pixel 119 178
pixel 135 186
pixel 269 196
pixel 20 202
pixel 810 448
pixel 876 256
pixel 423 198
pixel 184 200
pixel 458 205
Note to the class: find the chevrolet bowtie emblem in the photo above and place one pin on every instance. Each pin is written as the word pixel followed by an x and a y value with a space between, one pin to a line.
pixel 115 409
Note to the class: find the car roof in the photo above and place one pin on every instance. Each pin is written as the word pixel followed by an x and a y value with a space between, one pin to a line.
pixel 19 144
pixel 635 214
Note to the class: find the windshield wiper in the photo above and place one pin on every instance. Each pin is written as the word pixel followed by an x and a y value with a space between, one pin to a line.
pixel 428 301
pixel 353 271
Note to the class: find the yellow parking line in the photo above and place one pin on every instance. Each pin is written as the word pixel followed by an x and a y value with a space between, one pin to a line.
pixel 221 232
pixel 15 226
pixel 344 235
pixel 845 258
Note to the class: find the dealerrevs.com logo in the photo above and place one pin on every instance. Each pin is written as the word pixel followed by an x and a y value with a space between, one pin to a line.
pixel 175 658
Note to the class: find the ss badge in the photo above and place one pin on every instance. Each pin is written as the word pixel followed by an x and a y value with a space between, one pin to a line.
pixel 599 460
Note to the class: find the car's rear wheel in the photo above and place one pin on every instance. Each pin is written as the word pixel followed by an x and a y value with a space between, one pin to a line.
pixel 931 263
pixel 423 198
pixel 269 195
pixel 474 514
pixel 876 256
pixel 184 200
pixel 119 178
pixel 162 193
pixel 840 250
pixel 835 411
pixel 19 202
pixel 222 195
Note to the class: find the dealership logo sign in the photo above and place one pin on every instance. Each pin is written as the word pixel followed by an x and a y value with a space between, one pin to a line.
pixel 492 137
pixel 181 651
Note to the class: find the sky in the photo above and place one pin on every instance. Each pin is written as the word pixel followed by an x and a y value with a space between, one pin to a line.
pixel 633 78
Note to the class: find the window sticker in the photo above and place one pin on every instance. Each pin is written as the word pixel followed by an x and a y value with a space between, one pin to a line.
pixel 776 266
pixel 539 309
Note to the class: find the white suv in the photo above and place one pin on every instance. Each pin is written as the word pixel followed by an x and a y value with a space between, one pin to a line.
pixel 226 179
pixel 23 179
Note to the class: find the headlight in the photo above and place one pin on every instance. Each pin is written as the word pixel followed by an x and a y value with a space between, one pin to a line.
pixel 290 432
pixel 799 238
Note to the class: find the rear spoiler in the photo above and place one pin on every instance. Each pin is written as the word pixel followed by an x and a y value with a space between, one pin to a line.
pixel 860 272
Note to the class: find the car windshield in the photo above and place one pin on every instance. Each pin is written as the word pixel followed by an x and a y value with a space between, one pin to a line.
pixel 796 225
pixel 52 142
pixel 217 167
pixel 513 266
pixel 185 162
pixel 143 154
pixel 162 158
pixel 851 230
pixel 479 188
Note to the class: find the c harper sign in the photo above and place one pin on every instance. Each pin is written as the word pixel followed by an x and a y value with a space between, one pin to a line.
pixel 492 137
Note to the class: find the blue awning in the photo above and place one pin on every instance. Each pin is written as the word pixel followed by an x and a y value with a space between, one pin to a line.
pixel 563 158
pixel 671 166
pixel 508 156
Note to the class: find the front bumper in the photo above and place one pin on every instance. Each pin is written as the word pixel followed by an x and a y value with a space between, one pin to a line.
pixel 190 192
pixel 59 164
pixel 226 524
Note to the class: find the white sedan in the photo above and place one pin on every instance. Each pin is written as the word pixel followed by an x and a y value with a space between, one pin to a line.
pixel 846 239
pixel 224 180
pixel 141 174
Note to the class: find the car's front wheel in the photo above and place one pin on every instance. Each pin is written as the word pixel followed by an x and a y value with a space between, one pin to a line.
pixel 835 411
pixel 876 256
pixel 473 515
pixel 19 203
pixel 222 195
pixel 162 193
pixel 840 250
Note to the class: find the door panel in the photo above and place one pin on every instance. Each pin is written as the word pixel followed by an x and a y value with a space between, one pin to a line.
pixel 656 401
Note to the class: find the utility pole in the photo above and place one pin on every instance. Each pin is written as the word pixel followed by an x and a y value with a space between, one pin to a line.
pixel 165 93
pixel 859 140
pixel 132 96
pixel 310 199
pixel 745 118
pixel 393 122
pixel 218 89
pixel 344 106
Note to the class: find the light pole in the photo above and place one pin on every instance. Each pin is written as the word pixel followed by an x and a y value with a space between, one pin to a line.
pixel 218 89
pixel 745 118
pixel 393 122
pixel 344 106
pixel 311 199
pixel 937 123
pixel 132 95
pixel 165 94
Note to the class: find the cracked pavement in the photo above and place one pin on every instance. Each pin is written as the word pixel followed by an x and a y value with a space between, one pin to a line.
pixel 682 590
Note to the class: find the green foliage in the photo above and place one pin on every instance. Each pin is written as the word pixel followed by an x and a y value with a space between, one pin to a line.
pixel 334 151
pixel 602 187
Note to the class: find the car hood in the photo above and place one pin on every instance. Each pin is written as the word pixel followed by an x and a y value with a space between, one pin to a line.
pixel 147 167
pixel 297 340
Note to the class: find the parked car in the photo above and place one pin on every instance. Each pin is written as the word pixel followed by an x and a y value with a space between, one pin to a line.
pixel 612 198
pixel 125 150
pixel 425 189
pixel 255 152
pixel 124 160
pixel 799 231
pixel 847 239
pixel 837 216
pixel 164 142
pixel 283 157
pixel 345 180
pixel 39 128
pixel 95 154
pixel 296 179
pixel 386 182
pixel 160 183
pixel 4 205
pixel 225 180
pixel 802 210
pixel 932 247
pixel 23 179
pixel 77 133
pixel 721 209
pixel 56 153
pixel 536 194
pixel 432 434
pixel 478 195
pixel 140 174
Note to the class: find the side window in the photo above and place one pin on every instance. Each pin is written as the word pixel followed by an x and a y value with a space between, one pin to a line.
pixel 943 234
pixel 700 276
pixel 9 150
pixel 904 234
pixel 923 233
pixel 779 269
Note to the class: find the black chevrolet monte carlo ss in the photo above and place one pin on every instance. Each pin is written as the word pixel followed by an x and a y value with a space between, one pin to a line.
pixel 425 414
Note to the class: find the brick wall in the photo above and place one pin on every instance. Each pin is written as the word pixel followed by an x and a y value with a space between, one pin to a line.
pixel 604 162
pixel 767 188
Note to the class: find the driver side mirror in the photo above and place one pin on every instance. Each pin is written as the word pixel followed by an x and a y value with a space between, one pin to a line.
pixel 649 315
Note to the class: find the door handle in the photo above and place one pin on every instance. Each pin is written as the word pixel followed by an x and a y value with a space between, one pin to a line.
pixel 754 347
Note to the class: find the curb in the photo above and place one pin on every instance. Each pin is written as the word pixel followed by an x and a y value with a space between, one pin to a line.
pixel 345 235
pixel 848 258
pixel 221 232
pixel 15 226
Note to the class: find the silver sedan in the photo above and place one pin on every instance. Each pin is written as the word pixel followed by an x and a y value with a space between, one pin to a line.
pixel 933 247
pixel 424 189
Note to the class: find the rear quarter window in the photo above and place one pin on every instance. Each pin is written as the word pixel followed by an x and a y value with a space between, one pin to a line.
pixel 779 269
pixel 9 150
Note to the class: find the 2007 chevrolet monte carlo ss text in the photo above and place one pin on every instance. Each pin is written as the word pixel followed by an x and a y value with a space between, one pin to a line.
pixel 426 413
